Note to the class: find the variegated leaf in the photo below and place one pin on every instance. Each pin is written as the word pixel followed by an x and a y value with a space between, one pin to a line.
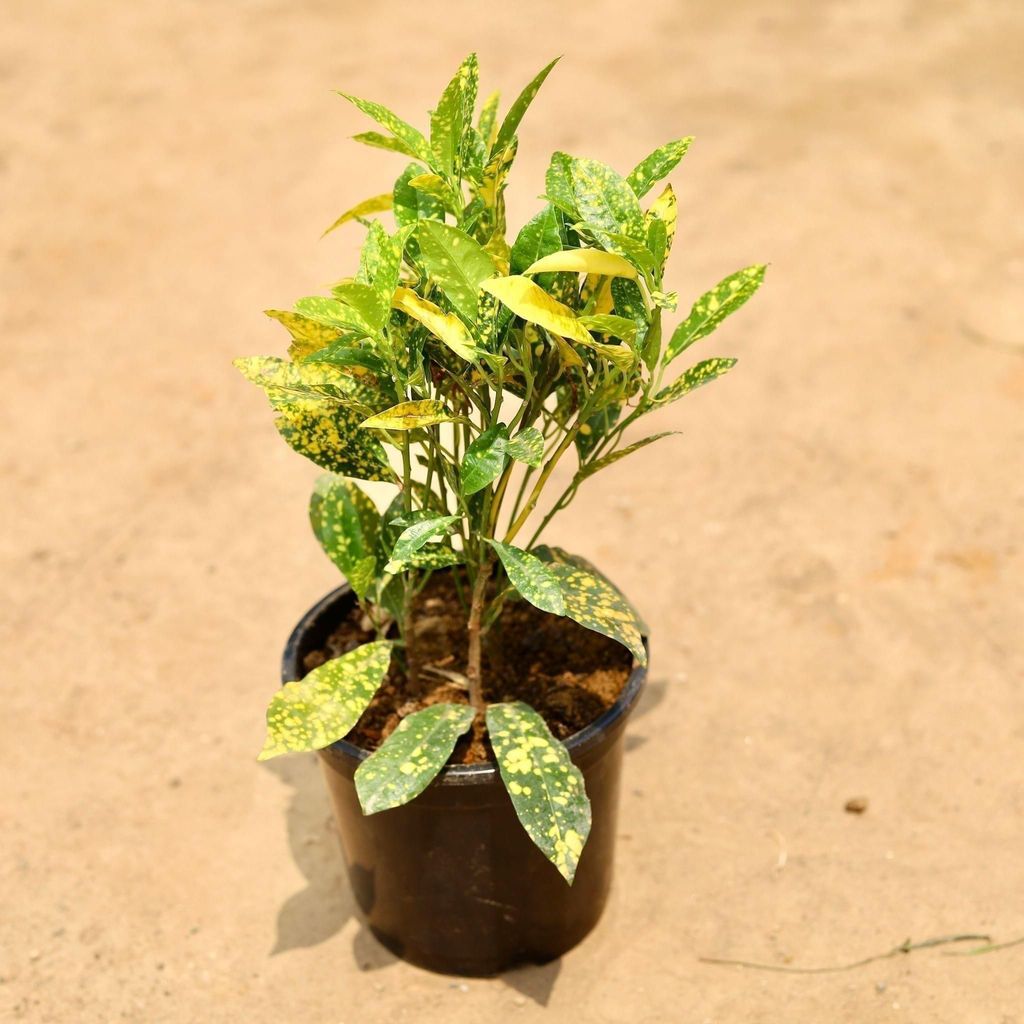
pixel 388 142
pixel 308 335
pixel 539 237
pixel 548 553
pixel 488 123
pixel 584 261
pixel 411 137
pixel 414 536
pixel 335 313
pixel 410 204
pixel 409 759
pixel 453 115
pixel 436 186
pixel 547 790
pixel 347 524
pixel 617 326
pixel 446 326
pixel 527 446
pixel 656 166
pixel 370 307
pixel 534 305
pixel 665 210
pixel 605 200
pixel 457 263
pixel 558 188
pixel 697 376
pixel 712 308
pixel 515 113
pixel 590 468
pixel 594 603
pixel 531 578
pixel 329 435
pixel 484 459
pixel 376 204
pixel 409 416
pixel 321 708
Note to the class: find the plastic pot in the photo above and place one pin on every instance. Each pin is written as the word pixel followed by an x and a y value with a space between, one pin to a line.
pixel 450 881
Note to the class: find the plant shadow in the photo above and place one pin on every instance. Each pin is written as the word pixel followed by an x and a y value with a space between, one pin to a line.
pixel 535 982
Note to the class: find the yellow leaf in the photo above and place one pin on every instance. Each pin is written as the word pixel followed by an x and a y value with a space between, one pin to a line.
pixel 584 261
pixel 532 303
pixel 376 204
pixel 446 326
pixel 665 208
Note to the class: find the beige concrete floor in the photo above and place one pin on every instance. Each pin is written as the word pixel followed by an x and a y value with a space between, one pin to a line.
pixel 830 557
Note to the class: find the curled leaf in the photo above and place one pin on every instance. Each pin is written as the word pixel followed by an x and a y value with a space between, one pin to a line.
pixel 409 416
pixel 584 261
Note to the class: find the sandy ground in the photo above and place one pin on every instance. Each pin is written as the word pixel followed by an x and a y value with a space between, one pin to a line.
pixel 830 557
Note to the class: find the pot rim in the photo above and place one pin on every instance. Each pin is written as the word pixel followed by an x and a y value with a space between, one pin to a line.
pixel 461 774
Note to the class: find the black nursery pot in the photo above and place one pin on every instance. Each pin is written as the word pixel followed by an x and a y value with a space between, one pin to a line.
pixel 450 881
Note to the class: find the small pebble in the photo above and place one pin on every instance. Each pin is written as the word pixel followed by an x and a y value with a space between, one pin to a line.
pixel 856 805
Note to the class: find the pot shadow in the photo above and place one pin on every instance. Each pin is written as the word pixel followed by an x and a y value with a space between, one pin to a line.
pixel 654 692
pixel 320 910
pixel 535 982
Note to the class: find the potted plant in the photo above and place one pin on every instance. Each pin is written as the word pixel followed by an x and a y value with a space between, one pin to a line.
pixel 467 688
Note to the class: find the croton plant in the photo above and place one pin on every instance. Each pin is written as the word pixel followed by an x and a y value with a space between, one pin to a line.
pixel 462 365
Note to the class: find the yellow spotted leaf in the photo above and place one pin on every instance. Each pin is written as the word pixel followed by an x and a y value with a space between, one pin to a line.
pixel 409 416
pixel 308 335
pixel 584 261
pixel 696 376
pixel 409 759
pixel 547 790
pixel 321 708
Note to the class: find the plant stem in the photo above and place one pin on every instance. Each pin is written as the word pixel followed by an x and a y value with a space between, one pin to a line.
pixel 476 608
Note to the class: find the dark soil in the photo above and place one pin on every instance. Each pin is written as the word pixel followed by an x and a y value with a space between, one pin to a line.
pixel 567 673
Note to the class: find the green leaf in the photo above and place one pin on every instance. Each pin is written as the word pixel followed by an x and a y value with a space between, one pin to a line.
pixel 547 553
pixel 388 142
pixel 546 788
pixel 590 468
pixel 527 446
pixel 712 308
pixel 558 185
pixel 697 376
pixel 376 204
pixel 488 123
pixel 534 305
pixel 412 205
pixel 484 459
pixel 454 114
pixel 413 537
pixel 605 200
pixel 409 416
pixel 519 107
pixel 616 326
pixel 434 556
pixel 352 357
pixel 347 524
pixel 335 313
pixel 540 236
pixel 531 578
pixel 410 137
pixel 594 603
pixel 435 186
pixel 323 707
pixel 308 335
pixel 409 759
pixel 656 166
pixel 371 308
pixel 457 263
